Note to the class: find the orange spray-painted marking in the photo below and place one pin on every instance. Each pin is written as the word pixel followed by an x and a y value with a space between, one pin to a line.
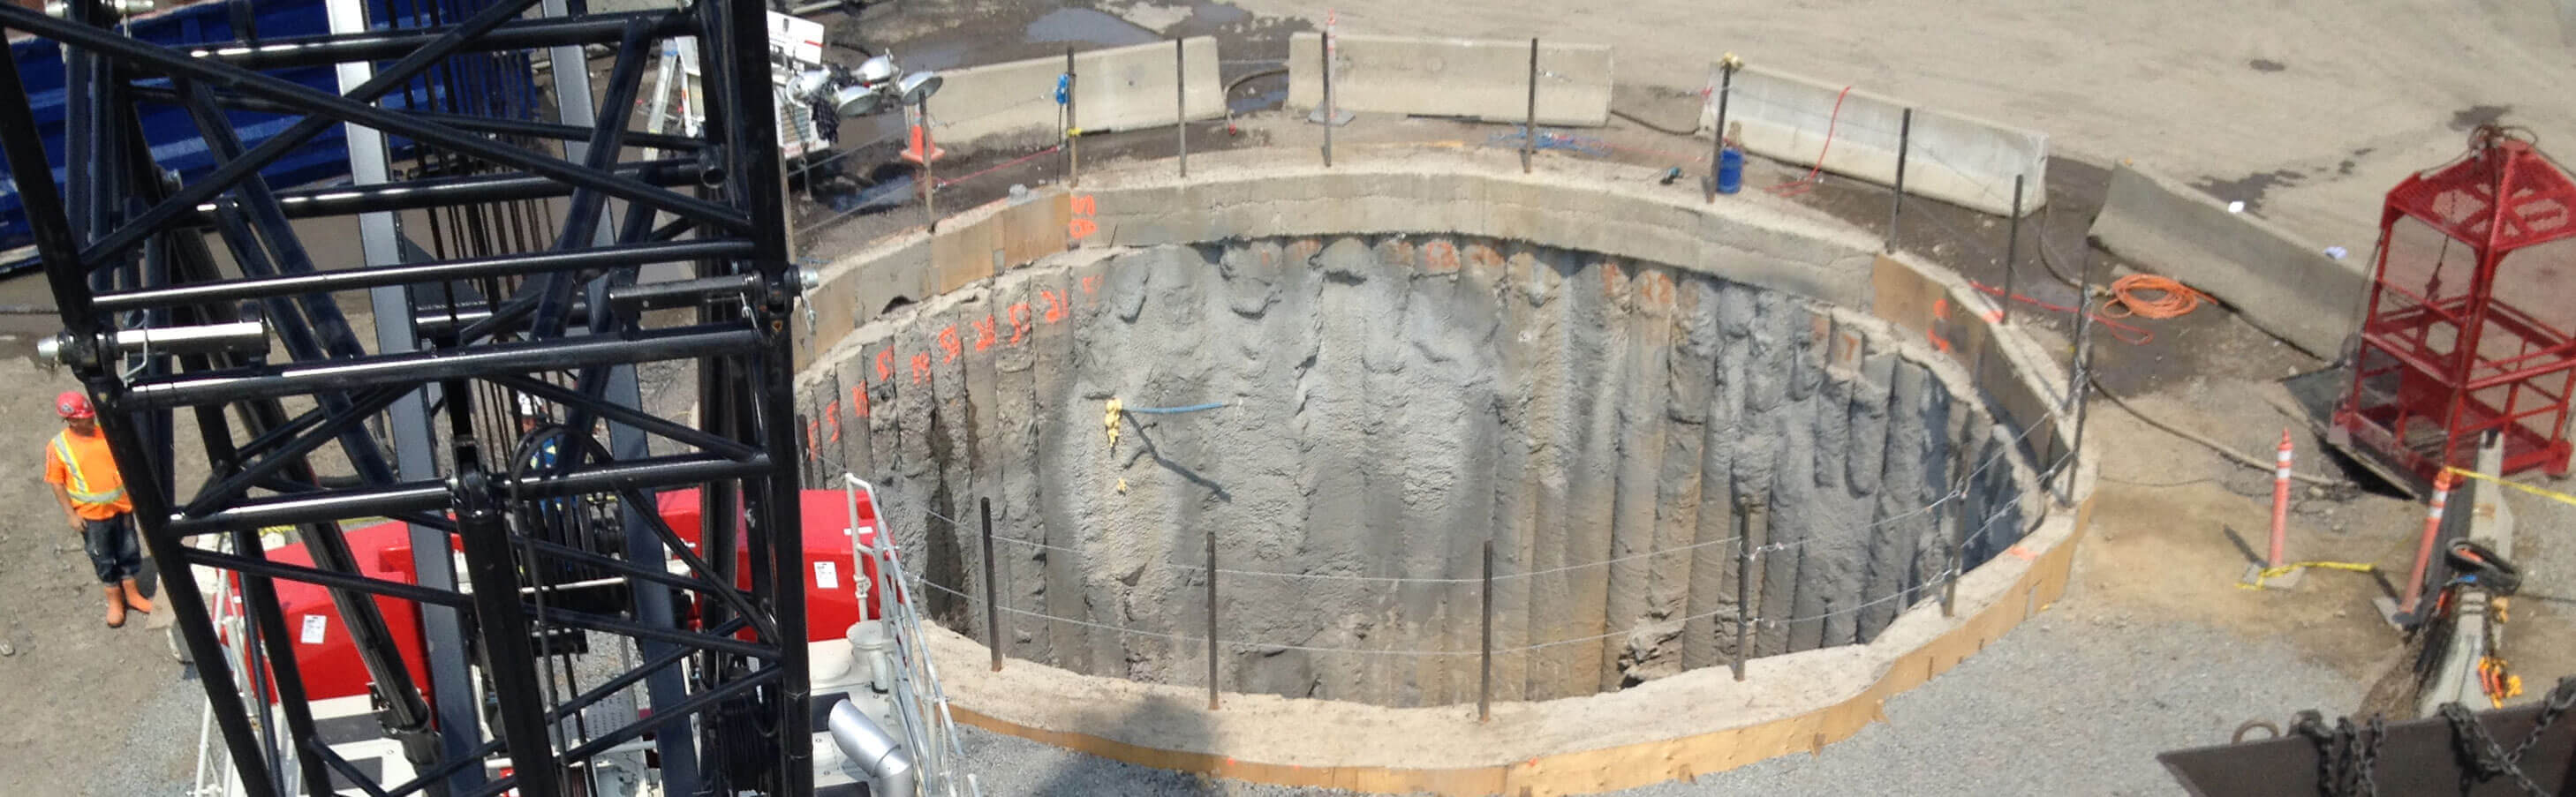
pixel 984 334
pixel 1055 306
pixel 948 342
pixel 1440 256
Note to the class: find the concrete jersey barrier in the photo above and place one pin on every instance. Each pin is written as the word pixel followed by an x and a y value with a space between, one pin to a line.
pixel 1486 79
pixel 2281 284
pixel 1953 158
pixel 1119 88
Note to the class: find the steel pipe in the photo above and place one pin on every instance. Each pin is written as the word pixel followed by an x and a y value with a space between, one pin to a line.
pixel 279 381
pixel 328 49
pixel 439 192
pixel 885 761
pixel 238 337
pixel 326 578
pixel 629 299
pixel 465 269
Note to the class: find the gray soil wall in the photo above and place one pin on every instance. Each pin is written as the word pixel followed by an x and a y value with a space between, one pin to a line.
pixel 1620 431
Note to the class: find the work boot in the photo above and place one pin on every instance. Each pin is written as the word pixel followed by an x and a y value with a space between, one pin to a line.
pixel 134 598
pixel 115 607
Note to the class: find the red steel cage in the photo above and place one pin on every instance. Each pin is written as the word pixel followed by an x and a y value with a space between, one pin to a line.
pixel 2471 309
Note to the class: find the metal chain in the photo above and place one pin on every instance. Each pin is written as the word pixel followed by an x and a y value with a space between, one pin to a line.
pixel 2366 775
pixel 2560 699
pixel 2313 725
pixel 2347 758
pixel 2483 759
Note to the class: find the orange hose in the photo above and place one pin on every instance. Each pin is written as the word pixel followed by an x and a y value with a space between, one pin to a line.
pixel 2151 296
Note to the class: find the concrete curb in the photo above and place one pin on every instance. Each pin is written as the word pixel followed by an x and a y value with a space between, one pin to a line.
pixel 2277 281
pixel 1117 88
pixel 2455 679
pixel 1485 79
pixel 1967 161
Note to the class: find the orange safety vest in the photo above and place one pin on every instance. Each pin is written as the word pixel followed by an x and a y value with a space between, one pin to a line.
pixel 84 468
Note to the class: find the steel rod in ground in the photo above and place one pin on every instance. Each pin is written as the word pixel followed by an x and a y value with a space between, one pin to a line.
pixel 992 591
pixel 1181 102
pixel 2012 252
pixel 1072 122
pixel 2078 370
pixel 2280 505
pixel 1064 118
pixel 1485 667
pixel 1326 56
pixel 2424 549
pixel 1717 135
pixel 1211 621
pixel 929 178
pixel 1896 201
pixel 1529 127
pixel 1743 606
pixel 1958 549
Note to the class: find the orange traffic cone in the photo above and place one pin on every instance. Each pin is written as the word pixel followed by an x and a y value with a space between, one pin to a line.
pixel 922 149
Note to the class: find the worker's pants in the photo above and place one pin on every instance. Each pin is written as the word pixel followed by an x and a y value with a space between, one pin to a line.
pixel 113 552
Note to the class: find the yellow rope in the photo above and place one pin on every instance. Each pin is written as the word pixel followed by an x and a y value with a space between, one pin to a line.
pixel 2277 572
pixel 2553 495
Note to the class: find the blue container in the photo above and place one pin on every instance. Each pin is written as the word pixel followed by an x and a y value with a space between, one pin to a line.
pixel 1730 170
pixel 499 79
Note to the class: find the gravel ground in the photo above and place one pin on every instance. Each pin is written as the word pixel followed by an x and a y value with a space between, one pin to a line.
pixel 2098 696
pixel 2084 686
pixel 1009 765
pixel 159 741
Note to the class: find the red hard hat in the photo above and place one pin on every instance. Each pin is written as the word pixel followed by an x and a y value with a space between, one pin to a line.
pixel 71 404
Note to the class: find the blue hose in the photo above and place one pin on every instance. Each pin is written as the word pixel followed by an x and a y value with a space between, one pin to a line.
pixel 1173 410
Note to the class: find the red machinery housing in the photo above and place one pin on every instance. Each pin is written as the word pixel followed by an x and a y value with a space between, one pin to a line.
pixel 329 663
pixel 2468 329
pixel 831 600
pixel 323 655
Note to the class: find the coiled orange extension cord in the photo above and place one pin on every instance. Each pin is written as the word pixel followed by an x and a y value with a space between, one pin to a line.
pixel 2151 296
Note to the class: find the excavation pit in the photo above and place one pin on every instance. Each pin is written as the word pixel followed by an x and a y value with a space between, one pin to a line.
pixel 1696 444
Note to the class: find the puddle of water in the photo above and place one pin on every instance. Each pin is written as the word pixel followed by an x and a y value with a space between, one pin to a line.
pixel 1083 25
pixel 943 55
pixel 1264 100
pixel 1217 13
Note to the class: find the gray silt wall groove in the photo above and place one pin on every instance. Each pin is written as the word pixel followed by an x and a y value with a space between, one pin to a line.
pixel 1394 402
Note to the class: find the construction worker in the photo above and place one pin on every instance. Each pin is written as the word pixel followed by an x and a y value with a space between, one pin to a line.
pixel 92 493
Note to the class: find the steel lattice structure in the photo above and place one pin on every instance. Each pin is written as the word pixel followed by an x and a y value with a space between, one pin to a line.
pixel 156 323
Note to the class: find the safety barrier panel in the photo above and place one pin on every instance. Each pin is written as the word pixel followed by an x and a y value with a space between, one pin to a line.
pixel 2284 285
pixel 1845 130
pixel 1119 88
pixel 1486 79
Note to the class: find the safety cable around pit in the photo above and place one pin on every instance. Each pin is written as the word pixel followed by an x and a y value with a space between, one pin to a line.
pixel 1919 592
pixel 2002 453
pixel 1937 579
